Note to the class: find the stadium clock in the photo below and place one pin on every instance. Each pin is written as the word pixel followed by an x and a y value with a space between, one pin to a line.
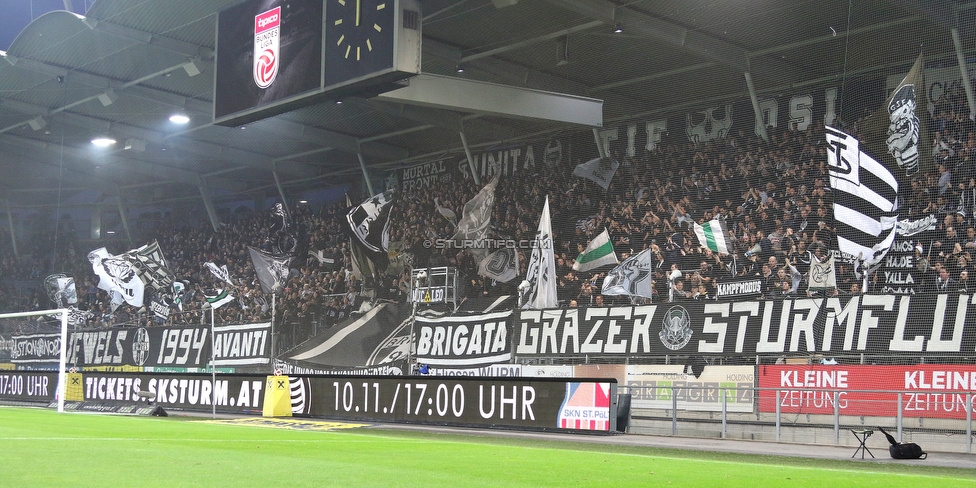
pixel 359 39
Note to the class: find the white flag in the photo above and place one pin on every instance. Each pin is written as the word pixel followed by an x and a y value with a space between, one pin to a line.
pixel 822 275
pixel 598 170
pixel 541 273
pixel 632 277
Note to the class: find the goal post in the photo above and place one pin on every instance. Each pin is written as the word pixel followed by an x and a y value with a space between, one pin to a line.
pixel 26 344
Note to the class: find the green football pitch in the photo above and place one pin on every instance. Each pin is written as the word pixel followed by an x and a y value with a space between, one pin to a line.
pixel 39 447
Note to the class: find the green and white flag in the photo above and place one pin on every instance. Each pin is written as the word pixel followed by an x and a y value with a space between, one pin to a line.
pixel 218 298
pixel 598 253
pixel 713 236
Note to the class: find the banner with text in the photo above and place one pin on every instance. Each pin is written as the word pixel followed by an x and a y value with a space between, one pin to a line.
pixel 928 390
pixel 463 340
pixel 187 347
pixel 877 324
pixel 231 393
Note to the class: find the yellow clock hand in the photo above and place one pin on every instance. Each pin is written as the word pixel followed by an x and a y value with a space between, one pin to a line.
pixel 358 9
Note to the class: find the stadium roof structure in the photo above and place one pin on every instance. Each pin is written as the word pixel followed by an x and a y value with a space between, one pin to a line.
pixel 123 68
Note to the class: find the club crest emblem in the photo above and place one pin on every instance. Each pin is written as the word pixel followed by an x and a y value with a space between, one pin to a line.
pixel 267 34
pixel 140 347
pixel 676 329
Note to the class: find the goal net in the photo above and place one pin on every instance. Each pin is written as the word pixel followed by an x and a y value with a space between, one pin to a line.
pixel 33 356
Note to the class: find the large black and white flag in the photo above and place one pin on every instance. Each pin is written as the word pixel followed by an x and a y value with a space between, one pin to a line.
pixel 501 265
pixel 369 222
pixel 281 234
pixel 598 170
pixel 152 267
pixel 632 277
pixel 865 199
pixel 118 276
pixel 898 128
pixel 475 219
pixel 272 270
pixel 541 273
pixel 362 267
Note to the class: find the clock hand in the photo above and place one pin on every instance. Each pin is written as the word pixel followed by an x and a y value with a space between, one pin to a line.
pixel 358 9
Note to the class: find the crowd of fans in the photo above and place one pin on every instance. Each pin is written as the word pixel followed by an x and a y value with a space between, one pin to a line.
pixel 774 196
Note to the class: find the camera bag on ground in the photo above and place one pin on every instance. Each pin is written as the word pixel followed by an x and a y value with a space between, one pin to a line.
pixel 903 450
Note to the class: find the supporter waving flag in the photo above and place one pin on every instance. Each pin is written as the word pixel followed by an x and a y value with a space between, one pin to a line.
pixel 713 235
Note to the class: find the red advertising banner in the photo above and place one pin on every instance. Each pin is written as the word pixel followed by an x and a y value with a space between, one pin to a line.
pixel 928 390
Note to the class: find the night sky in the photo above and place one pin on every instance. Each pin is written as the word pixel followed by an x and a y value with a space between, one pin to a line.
pixel 16 14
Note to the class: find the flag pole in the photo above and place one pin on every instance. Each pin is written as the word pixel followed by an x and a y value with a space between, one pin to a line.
pixel 213 372
pixel 274 351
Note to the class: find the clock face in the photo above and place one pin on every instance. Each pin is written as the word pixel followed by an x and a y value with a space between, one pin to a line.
pixel 359 38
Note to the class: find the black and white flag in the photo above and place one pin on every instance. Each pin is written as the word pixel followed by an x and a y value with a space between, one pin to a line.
pixel 61 289
pixel 598 170
pixel 160 306
pixel 78 317
pixel 632 277
pixel 906 228
pixel 220 272
pixel 865 199
pixel 281 234
pixel 501 265
pixel 369 222
pixel 272 270
pixel 152 267
pixel 898 128
pixel 362 267
pixel 118 276
pixel 476 217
